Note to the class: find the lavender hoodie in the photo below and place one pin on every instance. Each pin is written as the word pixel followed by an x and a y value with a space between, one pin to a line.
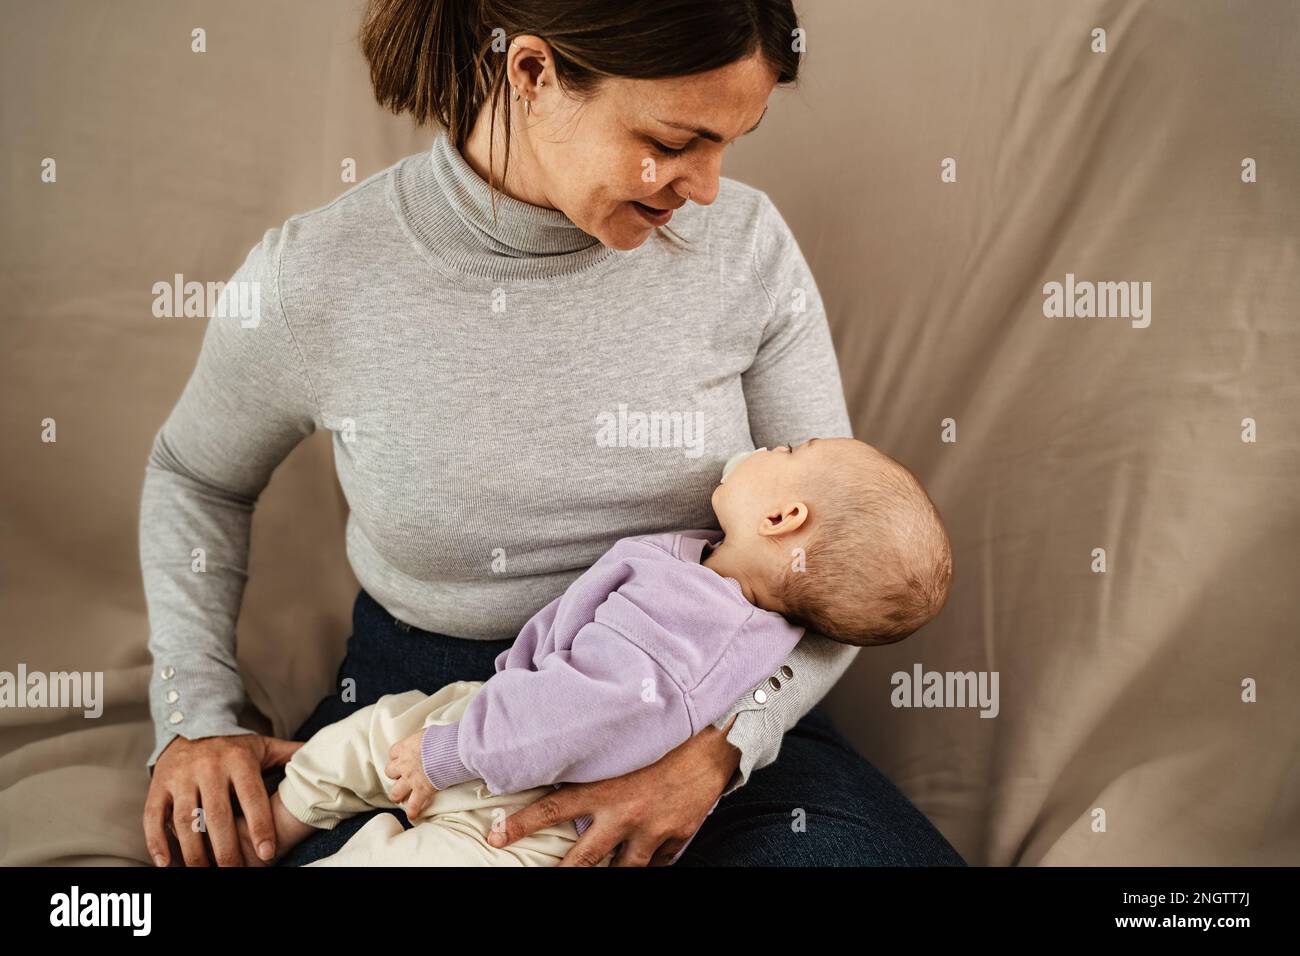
pixel 647 647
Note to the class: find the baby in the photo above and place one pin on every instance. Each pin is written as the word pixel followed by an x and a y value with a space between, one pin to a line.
pixel 654 642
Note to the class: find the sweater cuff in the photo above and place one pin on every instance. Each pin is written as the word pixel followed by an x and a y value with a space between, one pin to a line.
pixel 757 742
pixel 440 756
pixel 760 726
pixel 192 698
pixel 762 719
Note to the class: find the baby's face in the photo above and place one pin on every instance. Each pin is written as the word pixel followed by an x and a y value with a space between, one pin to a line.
pixel 756 489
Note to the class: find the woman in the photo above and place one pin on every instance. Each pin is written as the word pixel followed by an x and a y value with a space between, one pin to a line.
pixel 519 364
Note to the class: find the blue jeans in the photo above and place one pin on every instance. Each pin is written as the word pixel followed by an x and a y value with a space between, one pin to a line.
pixel 853 815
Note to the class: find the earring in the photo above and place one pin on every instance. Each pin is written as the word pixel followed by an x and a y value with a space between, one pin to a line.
pixel 515 91
pixel 528 106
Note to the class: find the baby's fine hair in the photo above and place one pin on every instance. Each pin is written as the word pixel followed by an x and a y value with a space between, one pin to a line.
pixel 878 564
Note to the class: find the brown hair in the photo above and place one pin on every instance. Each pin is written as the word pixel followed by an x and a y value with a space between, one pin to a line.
pixel 435 59
pixel 878 565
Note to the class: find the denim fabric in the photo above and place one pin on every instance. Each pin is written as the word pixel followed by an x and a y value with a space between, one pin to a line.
pixel 818 804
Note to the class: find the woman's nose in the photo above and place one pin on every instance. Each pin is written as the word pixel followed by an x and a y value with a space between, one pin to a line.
pixel 701 184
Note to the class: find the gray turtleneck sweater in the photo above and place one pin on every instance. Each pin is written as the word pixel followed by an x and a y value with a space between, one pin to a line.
pixel 507 398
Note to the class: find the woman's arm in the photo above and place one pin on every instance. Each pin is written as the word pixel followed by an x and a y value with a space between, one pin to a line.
pixel 793 393
pixel 246 405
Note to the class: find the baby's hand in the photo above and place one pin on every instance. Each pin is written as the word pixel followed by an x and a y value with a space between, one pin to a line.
pixel 413 789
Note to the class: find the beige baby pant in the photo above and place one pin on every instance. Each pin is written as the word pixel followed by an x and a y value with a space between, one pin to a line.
pixel 339 773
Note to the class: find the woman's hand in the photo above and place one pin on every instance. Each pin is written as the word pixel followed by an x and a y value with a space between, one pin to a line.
pixel 406 766
pixel 652 812
pixel 200 773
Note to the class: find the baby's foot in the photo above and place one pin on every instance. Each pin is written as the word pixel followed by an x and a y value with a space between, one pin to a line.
pixel 289 832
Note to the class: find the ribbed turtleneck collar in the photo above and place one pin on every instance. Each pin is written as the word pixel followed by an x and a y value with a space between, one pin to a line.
pixel 450 208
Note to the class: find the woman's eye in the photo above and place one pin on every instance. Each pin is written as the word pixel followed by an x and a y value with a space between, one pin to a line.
pixel 667 150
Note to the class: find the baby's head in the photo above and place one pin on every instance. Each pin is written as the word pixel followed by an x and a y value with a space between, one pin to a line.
pixel 837 536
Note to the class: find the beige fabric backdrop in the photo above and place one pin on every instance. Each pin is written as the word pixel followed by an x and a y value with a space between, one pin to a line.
pixel 1118 691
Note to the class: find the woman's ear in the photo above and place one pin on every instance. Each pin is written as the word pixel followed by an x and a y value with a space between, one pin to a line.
pixel 529 55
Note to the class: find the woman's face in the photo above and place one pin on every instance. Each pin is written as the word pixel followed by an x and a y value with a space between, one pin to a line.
pixel 653 142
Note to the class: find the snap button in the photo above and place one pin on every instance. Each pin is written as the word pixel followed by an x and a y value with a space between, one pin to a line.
pixel 786 672
pixel 168 672
pixel 176 717
pixel 774 683
pixel 760 696
pixel 172 697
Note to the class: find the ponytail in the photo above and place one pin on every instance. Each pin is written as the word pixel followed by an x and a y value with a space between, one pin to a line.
pixel 427 59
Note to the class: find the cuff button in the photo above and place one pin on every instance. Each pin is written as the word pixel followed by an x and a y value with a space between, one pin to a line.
pixel 786 672
pixel 172 697
pixel 168 672
pixel 760 696
pixel 176 717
